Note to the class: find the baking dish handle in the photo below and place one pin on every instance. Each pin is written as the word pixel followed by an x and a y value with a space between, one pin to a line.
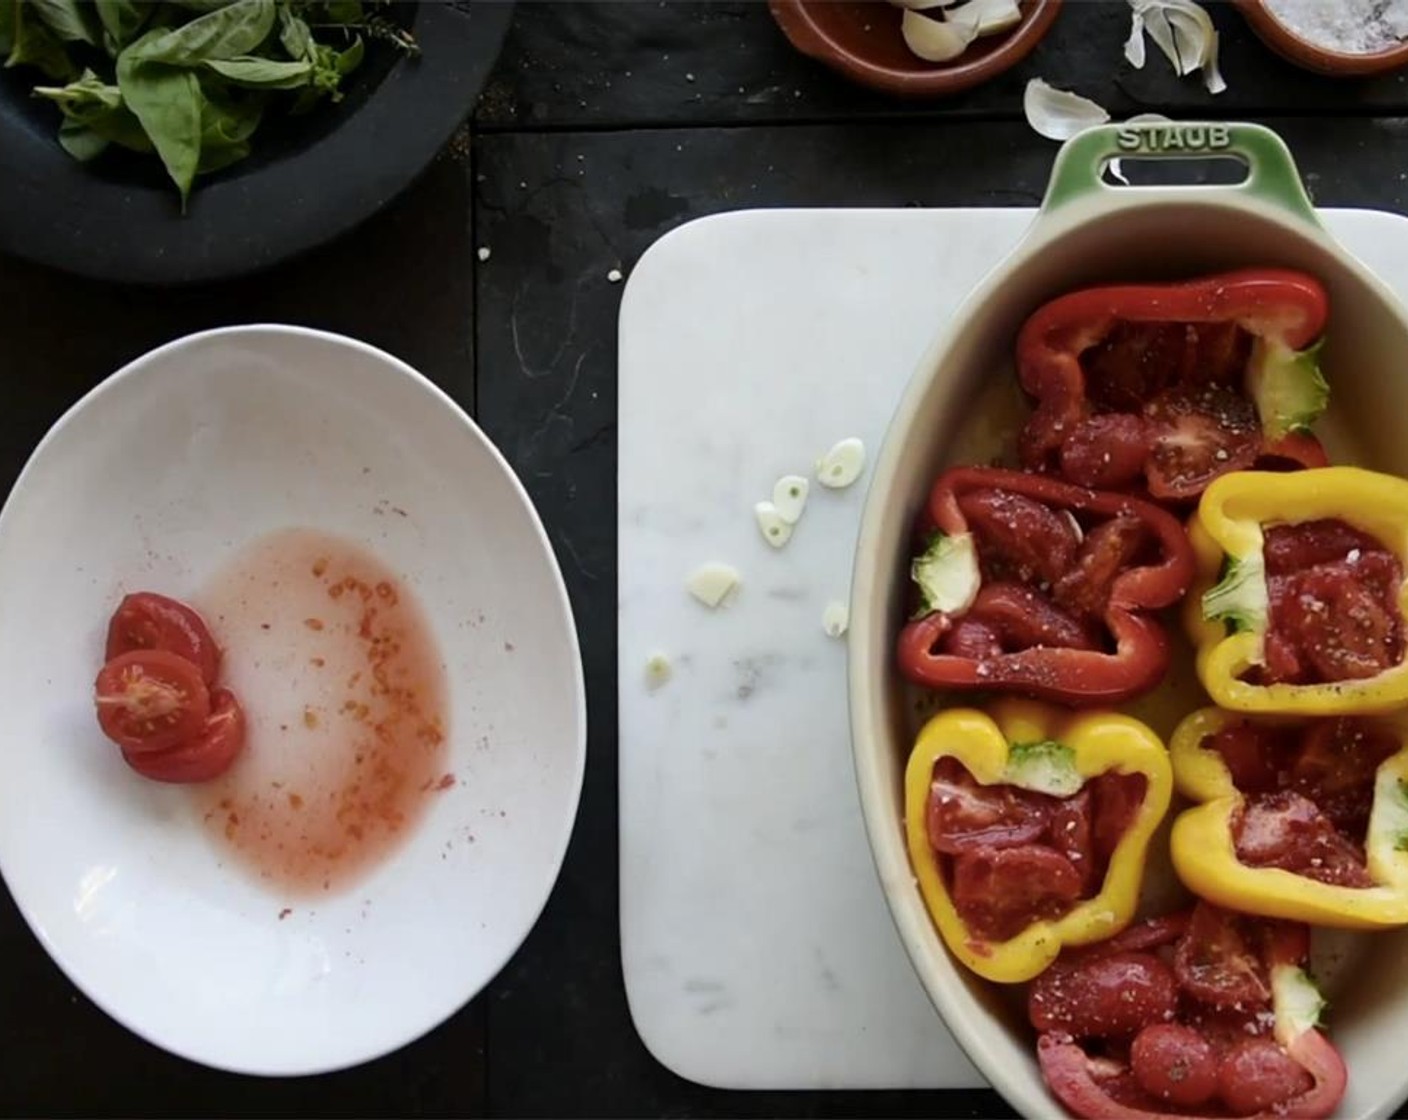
pixel 1271 171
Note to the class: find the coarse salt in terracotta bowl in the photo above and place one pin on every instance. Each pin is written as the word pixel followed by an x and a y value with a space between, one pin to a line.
pixel 1326 37
pixel 863 41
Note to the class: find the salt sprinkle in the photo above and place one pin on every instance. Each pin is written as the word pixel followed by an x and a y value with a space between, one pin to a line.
pixel 614 276
pixel 1350 26
pixel 483 253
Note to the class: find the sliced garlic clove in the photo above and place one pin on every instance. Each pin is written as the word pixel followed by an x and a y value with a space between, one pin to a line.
pixel 776 530
pixel 789 497
pixel 1059 114
pixel 921 5
pixel 836 618
pixel 937 40
pixel 658 671
pixel 713 583
pixel 842 465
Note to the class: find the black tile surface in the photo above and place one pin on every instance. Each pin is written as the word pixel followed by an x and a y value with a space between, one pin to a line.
pixel 601 62
pixel 592 140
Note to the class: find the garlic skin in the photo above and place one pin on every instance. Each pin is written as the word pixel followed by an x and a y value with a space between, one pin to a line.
pixel 1059 114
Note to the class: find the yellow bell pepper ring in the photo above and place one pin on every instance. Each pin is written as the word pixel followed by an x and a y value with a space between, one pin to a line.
pixel 1204 841
pixel 1299 606
pixel 1027 828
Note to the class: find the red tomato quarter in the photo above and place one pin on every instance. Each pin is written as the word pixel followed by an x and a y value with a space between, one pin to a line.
pixel 1197 437
pixel 998 892
pixel 964 815
pixel 1217 964
pixel 150 700
pixel 207 754
pixel 146 620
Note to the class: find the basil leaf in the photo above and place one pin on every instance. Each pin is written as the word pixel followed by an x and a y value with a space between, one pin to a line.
pixel 263 73
pixel 167 100
pixel 297 40
pixel 81 141
pixel 351 58
pixel 226 126
pixel 228 32
pixel 121 20
pixel 94 116
pixel 66 20
pixel 33 44
pixel 83 98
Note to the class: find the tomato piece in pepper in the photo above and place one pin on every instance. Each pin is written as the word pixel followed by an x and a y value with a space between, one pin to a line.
pixel 1150 384
pixel 1284 824
pixel 1026 828
pixel 1057 597
pixel 1300 603
pixel 1205 1024
pixel 1333 604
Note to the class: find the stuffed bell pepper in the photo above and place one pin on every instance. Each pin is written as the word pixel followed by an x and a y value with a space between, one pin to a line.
pixel 1164 387
pixel 1029 584
pixel 1201 1014
pixel 1027 829
pixel 1300 604
pixel 1306 820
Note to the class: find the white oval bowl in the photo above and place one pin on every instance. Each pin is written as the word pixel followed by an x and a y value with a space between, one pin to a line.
pixel 153 481
pixel 1116 236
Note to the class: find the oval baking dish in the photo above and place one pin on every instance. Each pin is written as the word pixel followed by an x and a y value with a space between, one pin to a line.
pixel 1088 232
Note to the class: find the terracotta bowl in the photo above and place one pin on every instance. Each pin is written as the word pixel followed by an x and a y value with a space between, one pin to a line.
pixel 862 40
pixel 1310 56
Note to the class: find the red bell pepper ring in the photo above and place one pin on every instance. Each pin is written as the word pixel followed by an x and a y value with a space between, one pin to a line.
pixel 1075 1077
pixel 1074 673
pixel 1072 1076
pixel 1209 430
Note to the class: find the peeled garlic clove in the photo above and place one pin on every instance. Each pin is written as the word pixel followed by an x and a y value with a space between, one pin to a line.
pixel 991 16
pixel 713 583
pixel 789 497
pixel 842 465
pixel 1059 114
pixel 776 530
pixel 937 40
pixel 835 618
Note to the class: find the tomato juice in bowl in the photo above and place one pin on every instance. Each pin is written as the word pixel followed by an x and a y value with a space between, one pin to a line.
pixel 961 407
pixel 208 471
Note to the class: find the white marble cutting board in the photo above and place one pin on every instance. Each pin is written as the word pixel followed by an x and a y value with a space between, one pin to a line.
pixel 757 947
